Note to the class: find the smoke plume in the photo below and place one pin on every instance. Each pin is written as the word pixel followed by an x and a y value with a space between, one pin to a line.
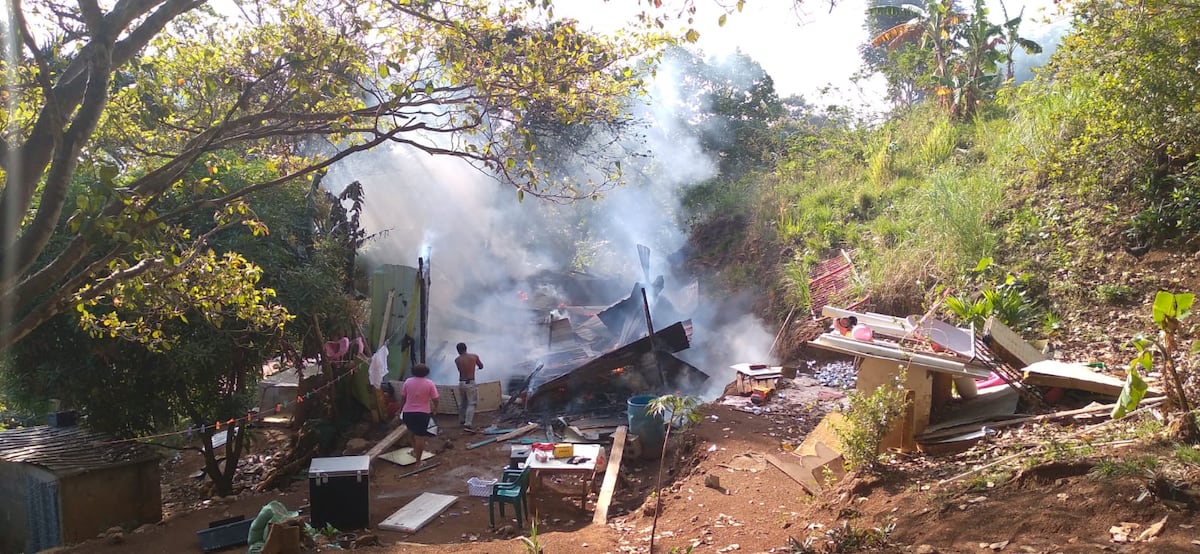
pixel 489 252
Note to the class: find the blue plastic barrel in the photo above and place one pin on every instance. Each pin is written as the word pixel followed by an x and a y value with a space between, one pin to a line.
pixel 649 427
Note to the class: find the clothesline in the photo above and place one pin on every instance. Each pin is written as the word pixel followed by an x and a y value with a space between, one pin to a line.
pixel 248 418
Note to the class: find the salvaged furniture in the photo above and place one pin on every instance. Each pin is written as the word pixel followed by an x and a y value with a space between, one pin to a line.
pixel 929 375
pixel 510 492
pixel 749 377
pixel 560 467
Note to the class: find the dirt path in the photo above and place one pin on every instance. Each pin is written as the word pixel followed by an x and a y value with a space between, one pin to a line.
pixel 1046 510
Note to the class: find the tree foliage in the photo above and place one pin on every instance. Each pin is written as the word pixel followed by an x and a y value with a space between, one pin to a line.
pixel 730 104
pixel 211 371
pixel 138 101
pixel 938 48
pixel 1131 131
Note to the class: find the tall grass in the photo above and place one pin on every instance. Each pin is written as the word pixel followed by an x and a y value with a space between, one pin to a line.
pixel 939 143
pixel 917 200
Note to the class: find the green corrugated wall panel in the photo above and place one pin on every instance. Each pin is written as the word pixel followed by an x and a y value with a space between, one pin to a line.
pixel 405 313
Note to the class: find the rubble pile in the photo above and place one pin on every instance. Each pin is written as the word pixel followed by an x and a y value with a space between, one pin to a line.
pixel 836 374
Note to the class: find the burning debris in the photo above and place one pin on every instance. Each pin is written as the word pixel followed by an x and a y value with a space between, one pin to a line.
pixel 599 357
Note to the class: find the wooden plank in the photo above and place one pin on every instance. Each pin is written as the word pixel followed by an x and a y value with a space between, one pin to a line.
pixel 416 514
pixel 387 442
pixel 481 443
pixel 797 473
pixel 1053 373
pixel 505 436
pixel 387 317
pixel 610 477
pixel 1009 346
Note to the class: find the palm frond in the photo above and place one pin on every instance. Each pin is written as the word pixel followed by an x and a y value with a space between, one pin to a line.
pixel 1029 46
pixel 891 35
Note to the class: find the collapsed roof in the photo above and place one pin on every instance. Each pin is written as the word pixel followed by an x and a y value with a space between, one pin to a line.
pixel 601 356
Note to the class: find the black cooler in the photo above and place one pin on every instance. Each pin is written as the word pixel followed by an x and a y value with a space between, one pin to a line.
pixel 339 492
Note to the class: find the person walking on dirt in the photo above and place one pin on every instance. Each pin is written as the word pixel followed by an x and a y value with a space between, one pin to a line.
pixel 418 398
pixel 468 390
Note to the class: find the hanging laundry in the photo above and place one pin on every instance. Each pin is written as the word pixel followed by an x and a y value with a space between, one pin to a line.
pixel 379 367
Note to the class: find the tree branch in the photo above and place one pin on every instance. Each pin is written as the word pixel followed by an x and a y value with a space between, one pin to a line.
pixel 42 143
pixel 21 255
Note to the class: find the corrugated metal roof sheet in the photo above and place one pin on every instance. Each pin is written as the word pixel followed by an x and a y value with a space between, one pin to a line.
pixel 68 450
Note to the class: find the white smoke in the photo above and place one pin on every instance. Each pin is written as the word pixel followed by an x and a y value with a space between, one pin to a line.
pixel 483 244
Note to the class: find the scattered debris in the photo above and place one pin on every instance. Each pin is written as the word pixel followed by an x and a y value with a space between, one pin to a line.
pixel 1123 531
pixel 1153 530
pixel 836 374
pixel 714 482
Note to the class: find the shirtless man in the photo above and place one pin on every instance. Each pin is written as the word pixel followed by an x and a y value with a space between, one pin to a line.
pixel 468 390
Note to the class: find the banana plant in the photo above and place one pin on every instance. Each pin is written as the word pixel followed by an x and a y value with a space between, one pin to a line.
pixel 928 26
pixel 1013 39
pixel 1169 311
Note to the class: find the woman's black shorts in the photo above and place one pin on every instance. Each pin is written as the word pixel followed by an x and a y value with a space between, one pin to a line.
pixel 417 423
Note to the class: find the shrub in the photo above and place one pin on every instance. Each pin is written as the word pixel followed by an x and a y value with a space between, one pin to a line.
pixel 1115 294
pixel 869 418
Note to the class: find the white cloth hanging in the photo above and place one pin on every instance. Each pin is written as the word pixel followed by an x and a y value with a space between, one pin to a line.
pixel 379 367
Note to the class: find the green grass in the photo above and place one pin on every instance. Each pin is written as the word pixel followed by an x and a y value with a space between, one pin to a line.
pixel 1134 466
pixel 1187 454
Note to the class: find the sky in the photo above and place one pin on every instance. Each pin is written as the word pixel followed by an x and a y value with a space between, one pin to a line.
pixel 803 49
pixel 810 50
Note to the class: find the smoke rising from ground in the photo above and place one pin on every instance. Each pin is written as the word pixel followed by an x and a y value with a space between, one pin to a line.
pixel 484 245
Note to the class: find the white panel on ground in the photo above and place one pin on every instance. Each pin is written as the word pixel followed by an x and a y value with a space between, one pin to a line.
pixel 416 514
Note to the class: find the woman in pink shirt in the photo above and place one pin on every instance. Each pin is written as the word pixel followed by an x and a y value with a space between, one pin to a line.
pixel 418 401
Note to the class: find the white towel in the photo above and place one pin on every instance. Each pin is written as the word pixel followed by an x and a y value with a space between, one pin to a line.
pixel 379 367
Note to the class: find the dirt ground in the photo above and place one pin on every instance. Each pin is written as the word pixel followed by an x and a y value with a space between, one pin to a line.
pixel 1046 508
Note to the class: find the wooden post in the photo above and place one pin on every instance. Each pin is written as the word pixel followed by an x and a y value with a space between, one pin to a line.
pixel 610 477
pixel 423 295
pixel 326 369
pixel 662 376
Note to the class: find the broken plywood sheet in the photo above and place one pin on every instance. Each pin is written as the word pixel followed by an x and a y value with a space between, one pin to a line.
pixel 416 514
pixel 489 398
pixel 823 433
pixel 991 403
pixel 404 456
pixel 1053 373
pixel 819 455
pixel 798 473
pixel 1009 346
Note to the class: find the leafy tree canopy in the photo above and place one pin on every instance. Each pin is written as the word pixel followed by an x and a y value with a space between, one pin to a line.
pixel 1126 84
pixel 211 370
pixel 139 102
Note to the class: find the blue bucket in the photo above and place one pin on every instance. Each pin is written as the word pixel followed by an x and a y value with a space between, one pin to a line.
pixel 648 427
